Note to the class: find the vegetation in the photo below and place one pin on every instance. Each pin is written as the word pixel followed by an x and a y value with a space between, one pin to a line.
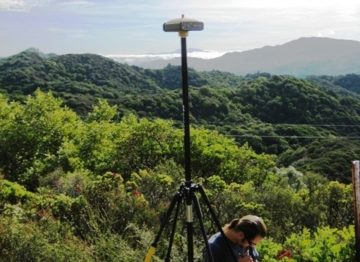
pixel 295 119
pixel 92 188
pixel 349 82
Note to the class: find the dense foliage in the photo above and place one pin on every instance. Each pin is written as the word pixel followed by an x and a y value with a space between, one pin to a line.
pixel 92 188
pixel 280 115
pixel 349 82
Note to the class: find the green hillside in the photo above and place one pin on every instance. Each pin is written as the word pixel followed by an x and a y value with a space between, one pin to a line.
pixel 280 115
pixel 94 188
pixel 349 82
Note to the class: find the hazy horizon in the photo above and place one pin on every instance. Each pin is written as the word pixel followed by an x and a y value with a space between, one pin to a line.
pixel 123 27
pixel 168 54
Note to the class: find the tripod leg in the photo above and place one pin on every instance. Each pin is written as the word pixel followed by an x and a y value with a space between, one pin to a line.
pixel 167 259
pixel 216 221
pixel 200 217
pixel 151 251
pixel 189 225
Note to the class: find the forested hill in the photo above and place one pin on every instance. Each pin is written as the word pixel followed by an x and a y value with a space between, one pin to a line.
pixel 313 124
pixel 349 82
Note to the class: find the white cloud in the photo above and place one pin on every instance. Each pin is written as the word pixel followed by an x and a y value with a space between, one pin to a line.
pixel 326 33
pixel 132 58
pixel 230 11
pixel 77 3
pixel 271 4
pixel 12 5
pixel 21 5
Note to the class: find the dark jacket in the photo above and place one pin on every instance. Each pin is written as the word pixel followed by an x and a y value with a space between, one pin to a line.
pixel 221 252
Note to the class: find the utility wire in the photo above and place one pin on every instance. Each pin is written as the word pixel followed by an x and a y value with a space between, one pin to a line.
pixel 282 124
pixel 289 136
pixel 301 137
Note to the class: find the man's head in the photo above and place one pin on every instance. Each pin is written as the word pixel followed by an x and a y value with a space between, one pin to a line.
pixel 248 230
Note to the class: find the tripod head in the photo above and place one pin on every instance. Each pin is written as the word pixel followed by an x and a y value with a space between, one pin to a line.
pixel 183 24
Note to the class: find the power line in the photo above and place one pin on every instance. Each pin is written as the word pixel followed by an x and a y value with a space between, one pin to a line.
pixel 289 136
pixel 296 137
pixel 282 124
pixel 319 125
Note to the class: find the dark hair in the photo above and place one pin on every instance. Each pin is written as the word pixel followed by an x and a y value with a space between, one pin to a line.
pixel 251 226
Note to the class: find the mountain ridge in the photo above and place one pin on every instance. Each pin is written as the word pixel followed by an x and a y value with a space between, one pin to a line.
pixel 300 57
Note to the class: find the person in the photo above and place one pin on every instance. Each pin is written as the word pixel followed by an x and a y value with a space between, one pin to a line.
pixel 242 235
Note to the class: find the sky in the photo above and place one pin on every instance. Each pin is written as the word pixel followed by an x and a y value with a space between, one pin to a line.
pixel 111 27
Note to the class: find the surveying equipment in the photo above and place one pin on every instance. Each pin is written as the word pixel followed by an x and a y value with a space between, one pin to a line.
pixel 188 189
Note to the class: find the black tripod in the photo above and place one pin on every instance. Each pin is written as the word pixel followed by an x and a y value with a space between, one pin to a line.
pixel 187 191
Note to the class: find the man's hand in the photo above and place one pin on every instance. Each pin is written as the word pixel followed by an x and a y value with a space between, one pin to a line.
pixel 245 259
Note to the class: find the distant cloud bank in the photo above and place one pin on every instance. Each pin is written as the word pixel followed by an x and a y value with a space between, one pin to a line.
pixel 139 58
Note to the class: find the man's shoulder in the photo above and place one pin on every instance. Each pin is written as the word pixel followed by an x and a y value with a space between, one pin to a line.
pixel 218 248
pixel 216 239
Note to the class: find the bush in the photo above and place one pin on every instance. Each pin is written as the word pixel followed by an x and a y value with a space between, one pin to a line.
pixel 326 244
pixel 13 193
pixel 48 241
